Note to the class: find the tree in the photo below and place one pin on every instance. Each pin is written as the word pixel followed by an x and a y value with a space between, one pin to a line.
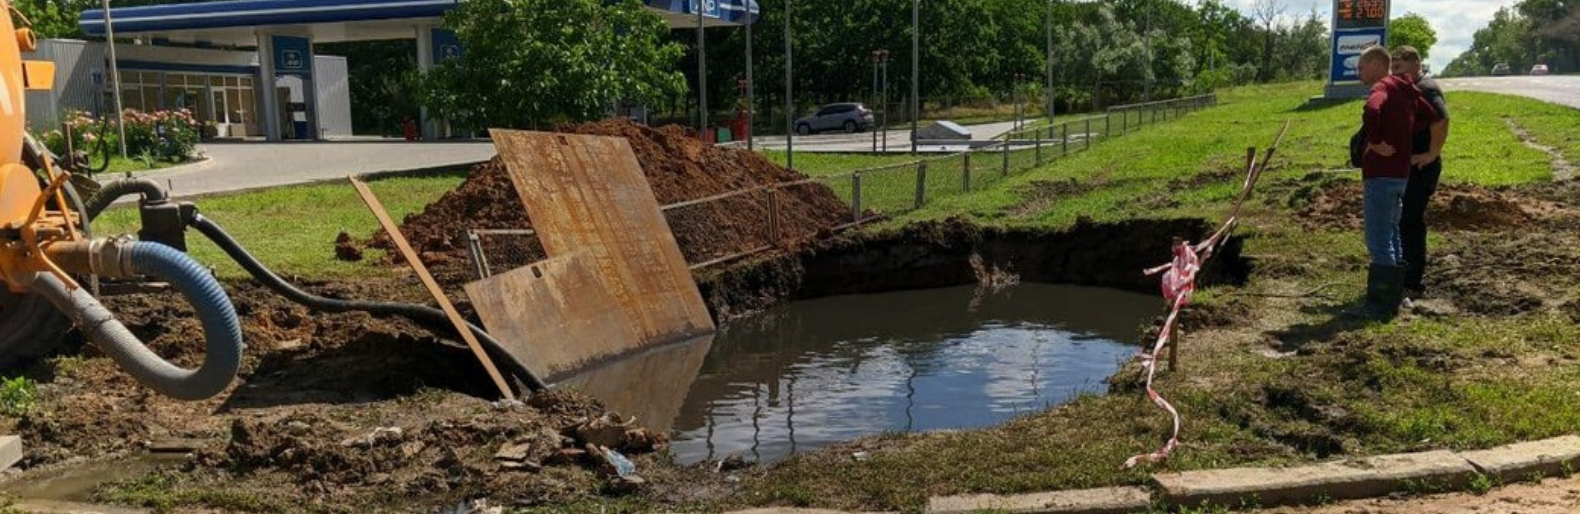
pixel 1267 12
pixel 51 18
pixel 1412 29
pixel 536 63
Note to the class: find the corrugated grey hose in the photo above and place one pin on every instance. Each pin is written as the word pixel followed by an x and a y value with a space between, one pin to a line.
pixel 221 329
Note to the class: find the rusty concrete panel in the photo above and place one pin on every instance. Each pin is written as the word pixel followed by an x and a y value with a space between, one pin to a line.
pixel 651 385
pixel 553 315
pixel 587 195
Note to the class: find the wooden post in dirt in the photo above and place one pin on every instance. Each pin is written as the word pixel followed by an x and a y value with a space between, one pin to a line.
pixel 921 183
pixel 855 197
pixel 773 216
pixel 433 286
pixel 1174 330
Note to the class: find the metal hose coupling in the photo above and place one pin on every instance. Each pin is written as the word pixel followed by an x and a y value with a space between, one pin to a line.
pixel 106 257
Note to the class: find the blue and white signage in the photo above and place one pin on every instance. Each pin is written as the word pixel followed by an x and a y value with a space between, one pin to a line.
pixel 293 56
pixel 446 45
pixel 1357 25
pixel 710 8
pixel 1347 48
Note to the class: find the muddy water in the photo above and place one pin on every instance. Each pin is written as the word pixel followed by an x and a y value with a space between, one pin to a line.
pixel 817 372
pixel 77 482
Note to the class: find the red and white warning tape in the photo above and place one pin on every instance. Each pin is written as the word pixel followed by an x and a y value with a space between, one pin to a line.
pixel 1179 283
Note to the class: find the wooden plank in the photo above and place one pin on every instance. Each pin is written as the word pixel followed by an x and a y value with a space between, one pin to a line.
pixel 433 287
pixel 554 315
pixel 587 195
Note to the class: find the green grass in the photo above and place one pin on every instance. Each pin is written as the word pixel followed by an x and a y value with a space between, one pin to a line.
pixel 829 164
pixel 1552 124
pixel 1365 388
pixel 292 229
pixel 132 164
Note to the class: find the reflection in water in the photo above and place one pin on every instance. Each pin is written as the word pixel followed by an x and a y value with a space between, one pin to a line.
pixel 824 371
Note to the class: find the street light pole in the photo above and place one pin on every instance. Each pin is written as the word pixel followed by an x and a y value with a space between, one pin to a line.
pixel 115 76
pixel 751 104
pixel 1047 28
pixel 875 100
pixel 702 71
pixel 789 97
pixel 885 88
pixel 916 73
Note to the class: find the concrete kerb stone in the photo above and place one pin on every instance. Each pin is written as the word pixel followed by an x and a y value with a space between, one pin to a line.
pixel 1520 461
pixel 1361 478
pixel 1107 500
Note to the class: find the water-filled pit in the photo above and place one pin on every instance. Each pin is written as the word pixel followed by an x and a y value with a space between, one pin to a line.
pixel 817 372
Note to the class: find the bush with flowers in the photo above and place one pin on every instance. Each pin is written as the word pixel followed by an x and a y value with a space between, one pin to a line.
pixel 168 135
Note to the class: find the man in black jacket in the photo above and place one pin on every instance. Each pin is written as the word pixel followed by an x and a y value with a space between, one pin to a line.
pixel 1426 166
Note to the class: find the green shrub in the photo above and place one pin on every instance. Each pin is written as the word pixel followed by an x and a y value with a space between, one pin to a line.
pixel 17 396
pixel 166 135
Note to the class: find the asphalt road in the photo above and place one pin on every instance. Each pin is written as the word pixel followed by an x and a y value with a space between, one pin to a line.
pixel 1563 90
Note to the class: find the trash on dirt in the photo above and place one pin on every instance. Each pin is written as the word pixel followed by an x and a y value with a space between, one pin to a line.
pixel 860 456
pixel 377 437
pixel 621 466
pixel 731 463
pixel 478 506
pixel 509 404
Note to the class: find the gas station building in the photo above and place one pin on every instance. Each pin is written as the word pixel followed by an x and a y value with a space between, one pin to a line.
pixel 249 67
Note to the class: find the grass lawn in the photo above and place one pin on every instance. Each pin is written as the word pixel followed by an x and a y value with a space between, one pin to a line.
pixel 120 165
pixel 292 229
pixel 1455 381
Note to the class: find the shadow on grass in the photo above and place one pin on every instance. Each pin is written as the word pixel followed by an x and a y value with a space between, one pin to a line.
pixel 1339 318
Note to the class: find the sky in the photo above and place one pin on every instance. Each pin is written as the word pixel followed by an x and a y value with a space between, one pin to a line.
pixel 1456 21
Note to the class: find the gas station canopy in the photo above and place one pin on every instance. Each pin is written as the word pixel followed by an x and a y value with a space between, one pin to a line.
pixel 235 23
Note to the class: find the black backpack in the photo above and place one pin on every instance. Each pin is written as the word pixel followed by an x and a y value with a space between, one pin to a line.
pixel 1357 147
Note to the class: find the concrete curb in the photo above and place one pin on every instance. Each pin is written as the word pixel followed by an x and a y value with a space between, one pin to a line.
pixel 1107 500
pixel 1519 461
pixel 1369 477
pixel 1363 478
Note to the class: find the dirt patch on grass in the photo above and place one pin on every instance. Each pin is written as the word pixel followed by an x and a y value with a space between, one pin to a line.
pixel 1041 194
pixel 677 165
pixel 1337 204
pixel 1562 168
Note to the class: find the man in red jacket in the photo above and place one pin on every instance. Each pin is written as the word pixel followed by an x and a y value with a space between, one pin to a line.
pixel 1394 109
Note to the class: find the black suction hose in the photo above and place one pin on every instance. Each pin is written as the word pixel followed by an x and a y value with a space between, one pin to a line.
pixel 420 313
pixel 112 191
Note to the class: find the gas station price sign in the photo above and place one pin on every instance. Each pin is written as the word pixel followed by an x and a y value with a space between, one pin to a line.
pixel 1360 14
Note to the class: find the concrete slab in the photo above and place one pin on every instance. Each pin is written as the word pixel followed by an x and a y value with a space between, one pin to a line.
pixel 1521 460
pixel 1107 500
pixel 10 451
pixel 1362 478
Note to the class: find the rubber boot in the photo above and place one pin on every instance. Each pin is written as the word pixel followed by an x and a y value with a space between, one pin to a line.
pixel 1384 291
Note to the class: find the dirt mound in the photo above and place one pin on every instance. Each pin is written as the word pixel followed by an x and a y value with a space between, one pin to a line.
pixel 1338 204
pixel 677 166
pixel 457 448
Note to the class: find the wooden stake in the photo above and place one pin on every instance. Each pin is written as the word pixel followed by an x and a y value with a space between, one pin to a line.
pixel 433 287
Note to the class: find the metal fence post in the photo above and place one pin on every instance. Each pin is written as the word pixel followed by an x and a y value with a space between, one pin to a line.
pixel 1037 136
pixel 1124 121
pixel 921 183
pixel 965 169
pixel 1088 137
pixel 855 196
pixel 1108 124
pixel 1004 168
pixel 1064 140
pixel 475 251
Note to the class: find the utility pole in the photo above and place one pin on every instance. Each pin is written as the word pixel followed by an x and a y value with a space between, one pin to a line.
pixel 1146 95
pixel 916 73
pixel 1047 29
pixel 884 120
pixel 115 76
pixel 702 71
pixel 789 97
pixel 875 101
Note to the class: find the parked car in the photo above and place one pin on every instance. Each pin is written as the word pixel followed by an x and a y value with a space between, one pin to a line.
pixel 850 117
pixel 1500 69
pixel 1540 69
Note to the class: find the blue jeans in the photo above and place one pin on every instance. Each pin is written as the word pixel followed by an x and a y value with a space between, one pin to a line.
pixel 1384 199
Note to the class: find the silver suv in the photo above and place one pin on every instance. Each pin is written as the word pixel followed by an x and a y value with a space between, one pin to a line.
pixel 850 117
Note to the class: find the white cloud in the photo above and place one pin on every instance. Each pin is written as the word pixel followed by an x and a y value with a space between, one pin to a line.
pixel 1456 21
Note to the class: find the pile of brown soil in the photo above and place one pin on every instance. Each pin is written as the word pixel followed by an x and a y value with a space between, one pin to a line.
pixel 678 167
pixel 1338 204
